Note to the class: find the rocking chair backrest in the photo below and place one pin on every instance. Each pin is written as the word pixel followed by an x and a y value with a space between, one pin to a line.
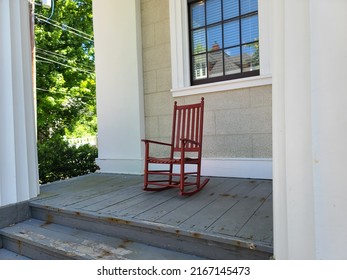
pixel 188 124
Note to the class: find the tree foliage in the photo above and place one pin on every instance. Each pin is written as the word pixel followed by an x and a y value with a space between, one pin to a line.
pixel 65 78
pixel 59 161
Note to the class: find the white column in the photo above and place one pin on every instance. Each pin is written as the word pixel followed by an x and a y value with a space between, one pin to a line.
pixel 278 133
pixel 329 111
pixel 119 85
pixel 293 182
pixel 18 152
pixel 309 135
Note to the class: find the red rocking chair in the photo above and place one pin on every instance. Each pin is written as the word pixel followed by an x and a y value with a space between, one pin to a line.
pixel 186 139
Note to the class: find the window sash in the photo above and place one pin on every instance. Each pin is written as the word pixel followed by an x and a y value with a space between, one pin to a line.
pixel 223 57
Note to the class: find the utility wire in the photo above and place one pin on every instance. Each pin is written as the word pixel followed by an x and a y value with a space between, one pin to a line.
pixel 68 92
pixel 53 60
pixel 65 65
pixel 51 53
pixel 55 56
pixel 65 27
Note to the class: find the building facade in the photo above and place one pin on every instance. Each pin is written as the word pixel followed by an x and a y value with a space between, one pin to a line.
pixel 285 124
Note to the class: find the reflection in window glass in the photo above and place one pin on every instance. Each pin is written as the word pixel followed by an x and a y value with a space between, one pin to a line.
pixel 230 9
pixel 214 37
pixel 250 57
pixel 232 59
pixel 199 41
pixel 199 67
pixel 198 14
pixel 224 38
pixel 248 6
pixel 231 33
pixel 213 11
pixel 215 64
pixel 249 26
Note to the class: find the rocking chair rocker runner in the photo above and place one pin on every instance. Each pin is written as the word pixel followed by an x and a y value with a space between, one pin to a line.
pixel 186 138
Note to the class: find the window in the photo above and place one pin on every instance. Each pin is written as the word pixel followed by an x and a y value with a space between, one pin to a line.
pixel 224 40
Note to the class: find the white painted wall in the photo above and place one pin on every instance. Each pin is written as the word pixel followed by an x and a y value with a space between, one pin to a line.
pixel 329 118
pixel 18 152
pixel 119 85
pixel 309 112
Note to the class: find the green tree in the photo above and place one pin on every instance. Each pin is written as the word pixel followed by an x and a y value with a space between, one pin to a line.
pixel 65 78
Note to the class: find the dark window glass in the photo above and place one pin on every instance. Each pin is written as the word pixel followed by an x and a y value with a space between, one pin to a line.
pixel 224 39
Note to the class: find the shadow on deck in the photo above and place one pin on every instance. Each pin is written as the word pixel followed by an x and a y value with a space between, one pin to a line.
pixel 230 218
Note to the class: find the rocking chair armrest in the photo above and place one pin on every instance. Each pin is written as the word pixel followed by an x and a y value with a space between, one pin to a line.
pixel 155 142
pixel 186 140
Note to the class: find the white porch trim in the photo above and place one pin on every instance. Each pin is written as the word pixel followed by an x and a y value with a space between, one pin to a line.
pixel 256 168
pixel 223 86
pixel 18 152
pixel 119 84
pixel 121 165
pixel 309 135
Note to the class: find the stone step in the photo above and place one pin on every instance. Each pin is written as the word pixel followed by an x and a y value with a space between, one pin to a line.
pixel 9 255
pixel 37 239
pixel 206 246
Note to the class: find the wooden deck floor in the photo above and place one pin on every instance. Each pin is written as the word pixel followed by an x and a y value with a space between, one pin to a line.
pixel 240 209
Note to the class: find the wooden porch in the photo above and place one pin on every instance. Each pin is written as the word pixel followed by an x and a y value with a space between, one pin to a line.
pixel 230 218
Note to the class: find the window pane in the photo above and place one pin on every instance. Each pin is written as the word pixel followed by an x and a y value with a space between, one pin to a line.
pixel 231 34
pixel 249 26
pixel 199 67
pixel 250 57
pixel 215 64
pixel 198 15
pixel 214 37
pixel 232 60
pixel 199 41
pixel 224 39
pixel 248 6
pixel 213 11
pixel 230 9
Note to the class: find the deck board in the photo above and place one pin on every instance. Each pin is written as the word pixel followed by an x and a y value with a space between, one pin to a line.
pixel 230 207
pixel 156 212
pixel 65 195
pixel 237 216
pixel 149 201
pixel 106 200
pixel 259 226
pixel 207 216
pixel 197 202
pixel 123 206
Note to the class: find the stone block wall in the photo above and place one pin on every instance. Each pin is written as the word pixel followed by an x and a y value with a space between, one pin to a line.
pixel 237 122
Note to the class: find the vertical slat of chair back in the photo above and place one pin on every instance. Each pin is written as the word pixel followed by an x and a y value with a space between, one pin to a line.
pixel 188 123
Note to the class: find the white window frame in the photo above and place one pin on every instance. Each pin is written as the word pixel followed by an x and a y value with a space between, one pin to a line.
pixel 180 61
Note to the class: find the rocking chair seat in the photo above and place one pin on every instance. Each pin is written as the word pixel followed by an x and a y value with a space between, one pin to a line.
pixel 171 161
pixel 187 131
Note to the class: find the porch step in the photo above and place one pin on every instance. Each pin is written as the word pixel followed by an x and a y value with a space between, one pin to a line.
pixel 169 238
pixel 37 239
pixel 9 255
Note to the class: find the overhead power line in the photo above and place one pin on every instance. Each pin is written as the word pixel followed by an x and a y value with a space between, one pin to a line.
pixel 56 56
pixel 64 64
pixel 65 92
pixel 65 27
pixel 63 24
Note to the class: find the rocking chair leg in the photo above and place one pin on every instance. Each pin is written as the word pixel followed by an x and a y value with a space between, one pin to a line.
pixel 145 178
pixel 182 178
pixel 170 172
